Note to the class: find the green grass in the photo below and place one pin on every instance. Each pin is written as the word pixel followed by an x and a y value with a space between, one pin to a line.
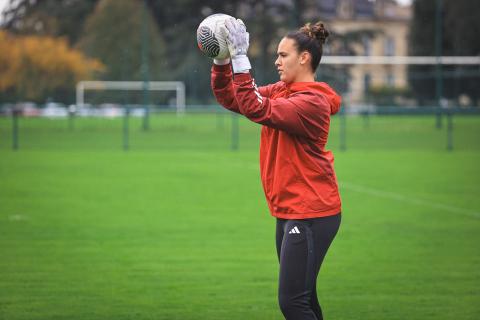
pixel 177 227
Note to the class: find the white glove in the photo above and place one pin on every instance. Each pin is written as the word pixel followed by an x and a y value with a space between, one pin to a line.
pixel 222 62
pixel 237 41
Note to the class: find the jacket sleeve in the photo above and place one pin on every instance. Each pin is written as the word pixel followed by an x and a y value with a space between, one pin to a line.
pixel 222 86
pixel 304 113
pixel 266 91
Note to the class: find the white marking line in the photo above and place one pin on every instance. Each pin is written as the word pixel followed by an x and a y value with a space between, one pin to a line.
pixel 17 217
pixel 402 198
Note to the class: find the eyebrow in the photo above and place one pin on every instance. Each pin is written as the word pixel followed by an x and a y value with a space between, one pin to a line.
pixel 281 52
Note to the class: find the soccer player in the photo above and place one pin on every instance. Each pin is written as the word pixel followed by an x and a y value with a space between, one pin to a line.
pixel 296 171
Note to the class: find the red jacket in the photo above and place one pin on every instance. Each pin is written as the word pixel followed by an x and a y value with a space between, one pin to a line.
pixel 296 170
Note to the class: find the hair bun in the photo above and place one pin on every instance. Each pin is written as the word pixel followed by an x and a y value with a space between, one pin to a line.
pixel 316 31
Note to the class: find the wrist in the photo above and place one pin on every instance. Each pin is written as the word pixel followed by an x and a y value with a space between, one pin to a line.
pixel 221 62
pixel 241 64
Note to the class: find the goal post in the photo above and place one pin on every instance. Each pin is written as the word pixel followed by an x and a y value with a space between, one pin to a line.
pixel 177 86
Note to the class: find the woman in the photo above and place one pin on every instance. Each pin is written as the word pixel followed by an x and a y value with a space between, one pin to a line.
pixel 296 171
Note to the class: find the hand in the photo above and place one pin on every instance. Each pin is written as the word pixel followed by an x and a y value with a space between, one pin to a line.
pixel 223 34
pixel 238 42
pixel 237 37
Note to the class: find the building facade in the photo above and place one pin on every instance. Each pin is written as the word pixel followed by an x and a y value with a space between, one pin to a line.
pixel 389 26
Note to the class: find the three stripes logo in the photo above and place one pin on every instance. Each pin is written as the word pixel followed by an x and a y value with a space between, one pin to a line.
pixel 207 42
pixel 294 230
pixel 259 97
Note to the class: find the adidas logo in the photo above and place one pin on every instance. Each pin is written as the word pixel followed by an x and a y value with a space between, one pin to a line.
pixel 294 230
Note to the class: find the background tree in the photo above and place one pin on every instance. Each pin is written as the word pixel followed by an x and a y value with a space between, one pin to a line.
pixel 10 62
pixel 460 29
pixel 178 24
pixel 113 34
pixel 55 18
pixel 37 67
pixel 267 21
pixel 111 31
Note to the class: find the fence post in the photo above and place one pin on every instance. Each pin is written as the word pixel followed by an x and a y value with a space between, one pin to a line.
pixel 449 131
pixel 71 115
pixel 438 54
pixel 235 133
pixel 15 114
pixel 366 119
pixel 145 67
pixel 126 144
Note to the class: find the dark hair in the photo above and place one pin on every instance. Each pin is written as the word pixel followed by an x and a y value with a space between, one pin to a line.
pixel 310 38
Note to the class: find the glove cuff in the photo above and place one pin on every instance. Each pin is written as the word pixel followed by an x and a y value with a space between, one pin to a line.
pixel 221 62
pixel 241 64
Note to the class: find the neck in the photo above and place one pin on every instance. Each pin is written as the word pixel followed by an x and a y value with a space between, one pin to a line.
pixel 305 77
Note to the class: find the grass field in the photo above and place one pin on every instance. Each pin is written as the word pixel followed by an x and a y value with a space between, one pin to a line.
pixel 177 227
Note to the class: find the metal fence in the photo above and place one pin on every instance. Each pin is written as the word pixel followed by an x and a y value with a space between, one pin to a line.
pixel 212 127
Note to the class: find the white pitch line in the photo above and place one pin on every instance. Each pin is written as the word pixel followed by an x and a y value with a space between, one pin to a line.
pixel 17 217
pixel 402 198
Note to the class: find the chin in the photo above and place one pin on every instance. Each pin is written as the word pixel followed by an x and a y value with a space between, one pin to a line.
pixel 283 78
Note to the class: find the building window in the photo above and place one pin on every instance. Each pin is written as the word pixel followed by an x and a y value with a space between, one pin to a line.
pixel 390 79
pixel 389 46
pixel 345 9
pixel 367 46
pixel 367 81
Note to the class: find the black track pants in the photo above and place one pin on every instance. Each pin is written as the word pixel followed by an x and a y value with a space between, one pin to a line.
pixel 301 247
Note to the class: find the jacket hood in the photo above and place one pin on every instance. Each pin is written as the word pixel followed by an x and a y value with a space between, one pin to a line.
pixel 321 87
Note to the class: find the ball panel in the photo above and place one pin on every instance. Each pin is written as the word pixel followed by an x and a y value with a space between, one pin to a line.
pixel 207 42
pixel 210 39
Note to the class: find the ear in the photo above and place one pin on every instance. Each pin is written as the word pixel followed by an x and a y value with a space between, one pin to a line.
pixel 305 58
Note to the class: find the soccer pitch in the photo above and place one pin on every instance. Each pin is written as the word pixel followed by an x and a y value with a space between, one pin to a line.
pixel 178 228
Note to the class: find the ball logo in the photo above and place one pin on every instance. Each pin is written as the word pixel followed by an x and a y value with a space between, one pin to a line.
pixel 207 42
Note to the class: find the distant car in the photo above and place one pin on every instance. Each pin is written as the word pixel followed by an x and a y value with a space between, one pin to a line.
pixel 6 109
pixel 31 111
pixel 26 108
pixel 111 110
pixel 137 111
pixel 85 110
pixel 54 110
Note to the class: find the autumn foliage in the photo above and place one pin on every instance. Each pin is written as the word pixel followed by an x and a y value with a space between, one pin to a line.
pixel 32 66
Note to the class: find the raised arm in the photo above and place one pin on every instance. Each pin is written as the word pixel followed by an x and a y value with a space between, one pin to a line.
pixel 304 113
pixel 222 86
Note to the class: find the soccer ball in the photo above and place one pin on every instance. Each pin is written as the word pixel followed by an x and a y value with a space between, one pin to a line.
pixel 211 41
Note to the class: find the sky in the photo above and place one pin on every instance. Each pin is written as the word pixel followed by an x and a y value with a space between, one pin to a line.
pixel 3 3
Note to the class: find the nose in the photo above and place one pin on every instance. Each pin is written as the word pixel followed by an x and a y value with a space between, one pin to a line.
pixel 277 62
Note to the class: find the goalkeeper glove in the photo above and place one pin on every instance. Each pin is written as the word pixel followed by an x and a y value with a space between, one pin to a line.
pixel 237 41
